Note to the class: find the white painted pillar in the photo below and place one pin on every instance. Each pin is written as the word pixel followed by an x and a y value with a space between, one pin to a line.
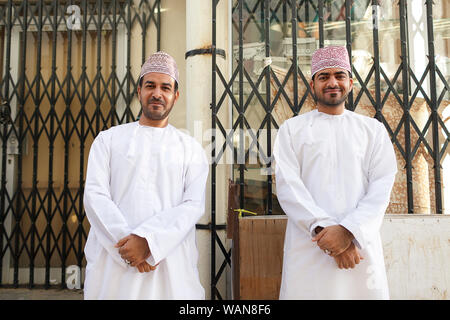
pixel 198 119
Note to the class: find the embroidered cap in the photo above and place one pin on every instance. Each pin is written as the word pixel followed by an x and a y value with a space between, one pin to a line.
pixel 330 57
pixel 160 62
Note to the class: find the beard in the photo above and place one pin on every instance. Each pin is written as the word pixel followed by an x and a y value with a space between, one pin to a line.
pixel 156 113
pixel 332 100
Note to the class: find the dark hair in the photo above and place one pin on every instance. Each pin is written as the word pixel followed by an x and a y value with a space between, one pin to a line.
pixel 175 89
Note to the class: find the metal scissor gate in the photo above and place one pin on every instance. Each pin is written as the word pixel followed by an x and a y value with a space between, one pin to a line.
pixel 65 76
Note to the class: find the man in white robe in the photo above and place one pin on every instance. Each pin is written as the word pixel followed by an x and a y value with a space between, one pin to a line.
pixel 334 174
pixel 144 193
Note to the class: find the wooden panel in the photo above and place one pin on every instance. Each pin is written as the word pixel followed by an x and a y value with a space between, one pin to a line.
pixel 260 261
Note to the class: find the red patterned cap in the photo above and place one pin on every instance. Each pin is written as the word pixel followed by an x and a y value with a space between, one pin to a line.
pixel 330 57
pixel 160 62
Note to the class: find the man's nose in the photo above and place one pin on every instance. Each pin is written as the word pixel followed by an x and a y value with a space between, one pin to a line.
pixel 156 92
pixel 332 82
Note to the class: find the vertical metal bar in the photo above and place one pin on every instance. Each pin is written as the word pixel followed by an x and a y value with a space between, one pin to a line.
pixel 268 99
pixel 37 103
pixel 158 27
pixel 261 34
pixel 113 64
pixel 99 66
pixel 348 38
pixel 3 211
pixel 66 190
pixel 144 31
pixel 434 109
pixel 321 32
pixel 294 24
pixel 376 52
pixel 50 190
pixel 306 12
pixel 241 152
pixel 129 96
pixel 213 152
pixel 21 114
pixel 82 132
pixel 405 104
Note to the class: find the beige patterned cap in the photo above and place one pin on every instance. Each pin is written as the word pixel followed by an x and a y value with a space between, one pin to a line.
pixel 330 57
pixel 160 62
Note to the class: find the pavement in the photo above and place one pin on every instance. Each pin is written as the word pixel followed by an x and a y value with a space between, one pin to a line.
pixel 40 294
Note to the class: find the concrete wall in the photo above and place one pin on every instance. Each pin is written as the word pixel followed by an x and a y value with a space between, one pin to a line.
pixel 417 256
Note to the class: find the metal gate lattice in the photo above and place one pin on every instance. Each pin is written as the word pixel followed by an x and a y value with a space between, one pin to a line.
pixel 66 75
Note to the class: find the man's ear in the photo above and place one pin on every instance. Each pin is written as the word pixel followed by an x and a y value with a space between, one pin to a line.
pixel 177 94
pixel 139 92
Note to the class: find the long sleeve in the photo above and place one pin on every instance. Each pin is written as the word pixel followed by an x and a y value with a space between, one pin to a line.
pixel 168 228
pixel 366 219
pixel 294 198
pixel 104 216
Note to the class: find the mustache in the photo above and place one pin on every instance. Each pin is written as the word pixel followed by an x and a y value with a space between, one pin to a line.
pixel 156 100
pixel 332 88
